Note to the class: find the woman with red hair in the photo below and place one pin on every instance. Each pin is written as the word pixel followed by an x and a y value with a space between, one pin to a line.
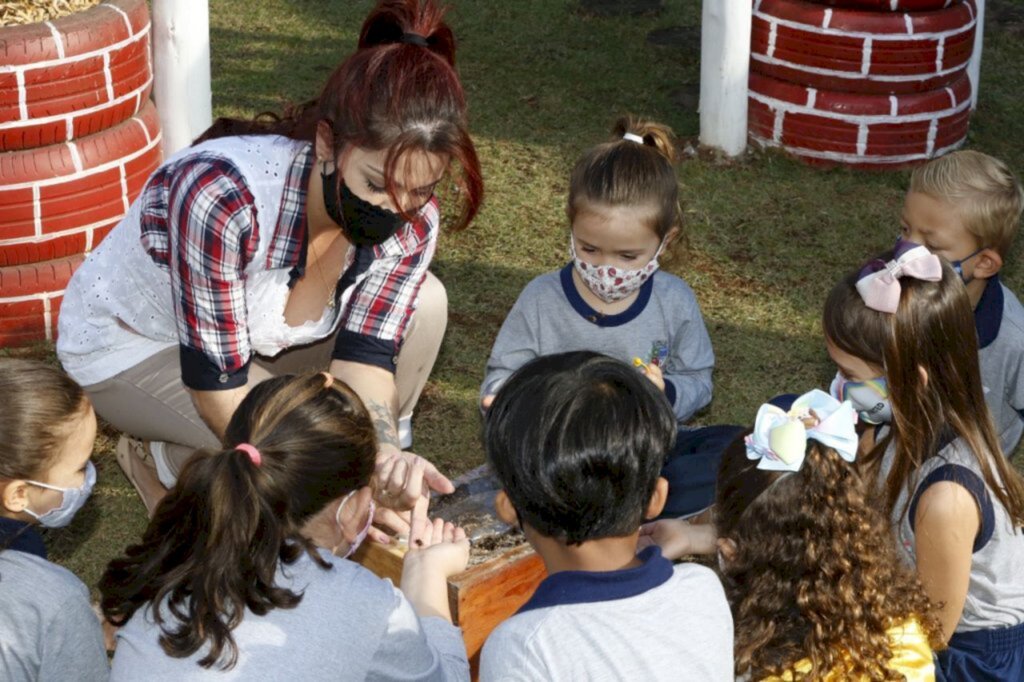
pixel 285 244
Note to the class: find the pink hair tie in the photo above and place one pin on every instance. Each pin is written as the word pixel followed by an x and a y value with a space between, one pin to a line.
pixel 254 454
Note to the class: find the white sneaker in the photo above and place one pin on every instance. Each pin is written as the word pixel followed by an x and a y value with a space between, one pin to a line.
pixel 405 432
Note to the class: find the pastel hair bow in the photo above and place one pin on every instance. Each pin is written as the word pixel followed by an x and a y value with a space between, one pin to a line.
pixel 779 439
pixel 879 282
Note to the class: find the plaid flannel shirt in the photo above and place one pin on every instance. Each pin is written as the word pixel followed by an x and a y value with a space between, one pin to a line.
pixel 199 222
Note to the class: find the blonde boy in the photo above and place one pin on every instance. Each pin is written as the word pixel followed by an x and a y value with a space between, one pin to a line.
pixel 966 207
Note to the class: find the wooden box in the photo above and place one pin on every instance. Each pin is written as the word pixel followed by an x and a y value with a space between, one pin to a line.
pixel 489 591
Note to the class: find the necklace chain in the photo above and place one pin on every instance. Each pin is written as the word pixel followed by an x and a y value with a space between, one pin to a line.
pixel 331 291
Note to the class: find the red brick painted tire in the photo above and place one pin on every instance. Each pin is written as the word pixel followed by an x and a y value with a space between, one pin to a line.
pixel 866 131
pixel 890 5
pixel 73 76
pixel 30 297
pixel 860 51
pixel 62 199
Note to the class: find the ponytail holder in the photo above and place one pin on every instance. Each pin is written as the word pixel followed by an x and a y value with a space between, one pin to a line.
pixel 779 439
pixel 328 379
pixel 633 137
pixel 254 454
pixel 414 39
pixel 879 281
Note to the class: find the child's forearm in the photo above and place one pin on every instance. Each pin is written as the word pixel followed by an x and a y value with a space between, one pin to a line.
pixel 427 591
pixel 692 392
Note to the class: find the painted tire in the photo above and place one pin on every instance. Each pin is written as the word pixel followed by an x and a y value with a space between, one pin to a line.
pixel 890 5
pixel 857 51
pixel 62 199
pixel 30 297
pixel 74 76
pixel 866 131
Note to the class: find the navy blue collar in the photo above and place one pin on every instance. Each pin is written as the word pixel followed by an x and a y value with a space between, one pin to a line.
pixel 584 587
pixel 22 537
pixel 598 318
pixel 988 314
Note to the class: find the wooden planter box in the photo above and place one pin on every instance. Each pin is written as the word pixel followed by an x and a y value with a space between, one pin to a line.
pixel 480 597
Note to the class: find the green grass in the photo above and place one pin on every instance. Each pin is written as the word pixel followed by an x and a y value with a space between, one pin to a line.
pixel 767 236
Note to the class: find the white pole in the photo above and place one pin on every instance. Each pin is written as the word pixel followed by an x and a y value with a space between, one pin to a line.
pixel 974 67
pixel 724 70
pixel 181 70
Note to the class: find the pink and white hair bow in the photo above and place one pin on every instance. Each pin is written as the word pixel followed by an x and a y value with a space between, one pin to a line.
pixel 779 439
pixel 879 283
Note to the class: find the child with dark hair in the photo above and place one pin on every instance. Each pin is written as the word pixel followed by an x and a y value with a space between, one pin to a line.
pixel 816 588
pixel 576 441
pixel 612 297
pixel 236 576
pixel 955 503
pixel 48 630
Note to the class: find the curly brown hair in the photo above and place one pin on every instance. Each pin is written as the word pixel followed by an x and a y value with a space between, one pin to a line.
pixel 815 575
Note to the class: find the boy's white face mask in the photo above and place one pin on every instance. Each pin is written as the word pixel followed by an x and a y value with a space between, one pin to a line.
pixel 610 283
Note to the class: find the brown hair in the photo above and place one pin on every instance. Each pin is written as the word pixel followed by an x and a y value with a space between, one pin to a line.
pixel 933 329
pixel 624 173
pixel 390 94
pixel 983 191
pixel 851 326
pixel 216 540
pixel 40 402
pixel 815 574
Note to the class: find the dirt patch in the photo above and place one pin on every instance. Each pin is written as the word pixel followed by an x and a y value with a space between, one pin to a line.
pixel 18 12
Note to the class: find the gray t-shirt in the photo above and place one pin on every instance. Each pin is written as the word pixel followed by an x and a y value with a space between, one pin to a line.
pixel 664 323
pixel 999 318
pixel 350 625
pixel 995 593
pixel 656 622
pixel 48 630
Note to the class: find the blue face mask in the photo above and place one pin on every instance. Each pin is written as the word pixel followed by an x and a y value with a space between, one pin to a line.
pixel 72 500
pixel 958 265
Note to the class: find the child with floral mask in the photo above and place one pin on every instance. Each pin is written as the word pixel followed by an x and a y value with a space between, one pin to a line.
pixel 808 565
pixel 47 429
pixel 613 298
pixel 248 550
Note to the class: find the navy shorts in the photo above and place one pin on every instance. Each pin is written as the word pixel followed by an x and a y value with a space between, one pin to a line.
pixel 692 468
pixel 983 656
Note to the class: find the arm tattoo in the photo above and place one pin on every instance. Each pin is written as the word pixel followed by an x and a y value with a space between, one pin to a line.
pixel 384 423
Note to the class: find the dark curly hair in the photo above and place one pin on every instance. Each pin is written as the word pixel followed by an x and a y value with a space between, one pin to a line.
pixel 816 575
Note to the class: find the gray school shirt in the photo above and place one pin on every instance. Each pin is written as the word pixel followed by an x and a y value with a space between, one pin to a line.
pixel 995 591
pixel 350 625
pixel 999 319
pixel 48 630
pixel 664 323
pixel 655 622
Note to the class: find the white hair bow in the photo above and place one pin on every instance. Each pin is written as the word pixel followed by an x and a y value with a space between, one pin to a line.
pixel 779 439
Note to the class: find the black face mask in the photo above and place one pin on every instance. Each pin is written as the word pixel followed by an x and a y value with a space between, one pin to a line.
pixel 364 224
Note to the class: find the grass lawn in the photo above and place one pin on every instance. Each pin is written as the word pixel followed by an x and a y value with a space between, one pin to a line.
pixel 767 236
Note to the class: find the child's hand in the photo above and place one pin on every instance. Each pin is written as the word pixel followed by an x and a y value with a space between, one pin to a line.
pixel 652 372
pixel 439 547
pixel 487 401
pixel 678 538
pixel 437 551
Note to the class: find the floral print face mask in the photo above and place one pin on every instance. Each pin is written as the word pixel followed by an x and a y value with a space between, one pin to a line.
pixel 610 283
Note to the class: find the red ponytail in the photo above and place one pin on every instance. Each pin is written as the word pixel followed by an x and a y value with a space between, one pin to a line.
pixel 399 91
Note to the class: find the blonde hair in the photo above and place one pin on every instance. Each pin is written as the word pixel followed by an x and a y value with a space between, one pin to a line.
pixel 986 194
pixel 625 173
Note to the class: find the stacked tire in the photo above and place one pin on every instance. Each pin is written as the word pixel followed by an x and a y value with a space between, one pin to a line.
pixel 867 83
pixel 78 139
